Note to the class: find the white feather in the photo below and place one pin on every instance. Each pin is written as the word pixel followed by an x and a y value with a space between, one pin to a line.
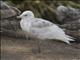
pixel 42 29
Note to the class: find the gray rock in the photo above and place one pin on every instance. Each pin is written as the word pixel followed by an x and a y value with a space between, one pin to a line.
pixel 8 16
pixel 9 23
pixel 8 11
pixel 71 26
pixel 68 14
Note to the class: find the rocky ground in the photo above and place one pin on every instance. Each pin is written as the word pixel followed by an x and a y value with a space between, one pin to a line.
pixel 21 49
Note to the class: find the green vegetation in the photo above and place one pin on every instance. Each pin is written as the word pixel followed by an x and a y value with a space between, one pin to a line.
pixel 43 8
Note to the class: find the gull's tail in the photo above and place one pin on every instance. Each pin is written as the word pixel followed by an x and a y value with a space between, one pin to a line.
pixel 68 39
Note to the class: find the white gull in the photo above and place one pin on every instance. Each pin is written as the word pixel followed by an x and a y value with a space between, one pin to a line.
pixel 42 29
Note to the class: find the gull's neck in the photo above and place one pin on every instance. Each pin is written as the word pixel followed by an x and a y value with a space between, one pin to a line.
pixel 28 17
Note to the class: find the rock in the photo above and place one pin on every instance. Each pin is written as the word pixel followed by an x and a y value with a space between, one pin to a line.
pixel 7 10
pixel 11 33
pixel 9 23
pixel 71 26
pixel 68 14
pixel 8 16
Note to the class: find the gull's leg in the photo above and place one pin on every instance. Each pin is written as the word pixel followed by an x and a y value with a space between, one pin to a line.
pixel 39 45
pixel 27 37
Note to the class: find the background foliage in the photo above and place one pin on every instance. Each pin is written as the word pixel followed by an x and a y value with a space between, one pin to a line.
pixel 44 8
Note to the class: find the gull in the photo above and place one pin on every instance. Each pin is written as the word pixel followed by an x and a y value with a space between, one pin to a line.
pixel 42 29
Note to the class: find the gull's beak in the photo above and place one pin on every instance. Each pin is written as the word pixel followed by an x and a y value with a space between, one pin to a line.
pixel 18 17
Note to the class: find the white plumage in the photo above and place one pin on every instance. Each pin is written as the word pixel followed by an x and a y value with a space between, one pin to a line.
pixel 42 29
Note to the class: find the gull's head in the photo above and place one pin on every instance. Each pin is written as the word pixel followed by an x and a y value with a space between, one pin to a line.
pixel 26 14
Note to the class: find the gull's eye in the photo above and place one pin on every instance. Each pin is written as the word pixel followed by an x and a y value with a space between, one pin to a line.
pixel 25 15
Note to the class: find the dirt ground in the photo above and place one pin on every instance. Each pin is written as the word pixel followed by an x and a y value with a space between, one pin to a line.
pixel 21 49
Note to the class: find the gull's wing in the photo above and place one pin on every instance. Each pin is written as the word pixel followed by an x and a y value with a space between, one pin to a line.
pixel 41 23
pixel 45 29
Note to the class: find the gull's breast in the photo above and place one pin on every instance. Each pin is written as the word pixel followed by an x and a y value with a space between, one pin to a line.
pixel 25 25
